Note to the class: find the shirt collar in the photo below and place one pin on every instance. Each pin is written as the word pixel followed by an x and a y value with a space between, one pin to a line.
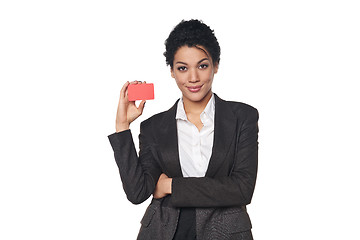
pixel 208 113
pixel 180 112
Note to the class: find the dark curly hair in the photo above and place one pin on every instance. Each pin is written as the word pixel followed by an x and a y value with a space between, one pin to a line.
pixel 191 33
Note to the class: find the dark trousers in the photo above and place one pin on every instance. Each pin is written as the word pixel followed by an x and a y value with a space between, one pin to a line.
pixel 186 228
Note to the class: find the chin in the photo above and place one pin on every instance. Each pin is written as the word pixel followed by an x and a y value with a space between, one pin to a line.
pixel 196 99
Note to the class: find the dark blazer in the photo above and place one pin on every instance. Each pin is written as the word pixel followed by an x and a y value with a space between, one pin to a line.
pixel 219 198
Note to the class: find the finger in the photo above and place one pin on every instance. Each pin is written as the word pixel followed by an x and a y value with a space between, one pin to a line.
pixel 134 82
pixel 141 106
pixel 123 90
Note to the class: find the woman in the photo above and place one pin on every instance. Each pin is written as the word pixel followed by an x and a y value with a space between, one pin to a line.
pixel 199 158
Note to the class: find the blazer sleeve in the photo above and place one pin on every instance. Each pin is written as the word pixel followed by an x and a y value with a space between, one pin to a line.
pixel 233 190
pixel 139 174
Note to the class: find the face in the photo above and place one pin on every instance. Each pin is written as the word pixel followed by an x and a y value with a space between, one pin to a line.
pixel 194 71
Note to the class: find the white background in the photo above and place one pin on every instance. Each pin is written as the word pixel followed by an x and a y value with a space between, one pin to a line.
pixel 62 65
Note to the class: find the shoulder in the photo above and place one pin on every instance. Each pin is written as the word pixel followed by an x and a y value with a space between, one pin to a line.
pixel 244 109
pixel 161 118
pixel 155 119
pixel 240 109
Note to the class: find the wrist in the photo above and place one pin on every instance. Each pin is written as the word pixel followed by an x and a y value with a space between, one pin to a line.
pixel 122 127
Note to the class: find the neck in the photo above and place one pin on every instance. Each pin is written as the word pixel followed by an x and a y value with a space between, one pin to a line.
pixel 197 107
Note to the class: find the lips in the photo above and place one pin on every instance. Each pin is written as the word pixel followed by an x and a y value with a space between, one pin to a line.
pixel 194 88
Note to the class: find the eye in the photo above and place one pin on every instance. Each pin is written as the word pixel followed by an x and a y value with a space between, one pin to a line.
pixel 203 66
pixel 182 68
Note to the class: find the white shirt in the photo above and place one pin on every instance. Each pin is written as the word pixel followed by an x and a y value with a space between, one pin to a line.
pixel 195 147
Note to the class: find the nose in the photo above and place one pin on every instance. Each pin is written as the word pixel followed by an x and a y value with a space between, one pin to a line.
pixel 194 76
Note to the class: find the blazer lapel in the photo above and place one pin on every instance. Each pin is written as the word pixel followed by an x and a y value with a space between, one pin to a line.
pixel 168 143
pixel 224 133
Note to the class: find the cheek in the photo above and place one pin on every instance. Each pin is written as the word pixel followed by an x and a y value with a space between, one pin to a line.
pixel 208 75
pixel 180 79
pixel 179 83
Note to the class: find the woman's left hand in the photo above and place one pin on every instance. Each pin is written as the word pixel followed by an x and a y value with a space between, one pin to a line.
pixel 163 186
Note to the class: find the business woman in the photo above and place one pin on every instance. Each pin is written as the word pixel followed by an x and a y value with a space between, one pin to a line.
pixel 199 158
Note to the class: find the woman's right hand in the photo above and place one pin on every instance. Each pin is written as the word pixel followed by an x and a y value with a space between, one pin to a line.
pixel 127 111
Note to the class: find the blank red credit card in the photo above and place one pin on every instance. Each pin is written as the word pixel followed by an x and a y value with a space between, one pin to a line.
pixel 144 91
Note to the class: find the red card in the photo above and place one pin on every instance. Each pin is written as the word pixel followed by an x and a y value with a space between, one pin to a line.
pixel 144 91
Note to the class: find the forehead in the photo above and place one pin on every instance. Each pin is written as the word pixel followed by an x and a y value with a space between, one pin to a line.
pixel 191 54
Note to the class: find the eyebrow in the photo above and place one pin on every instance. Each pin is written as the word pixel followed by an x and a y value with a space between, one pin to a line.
pixel 179 62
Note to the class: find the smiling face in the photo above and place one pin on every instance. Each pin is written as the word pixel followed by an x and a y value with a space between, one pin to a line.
pixel 194 71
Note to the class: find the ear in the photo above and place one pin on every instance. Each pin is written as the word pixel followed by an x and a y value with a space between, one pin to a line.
pixel 216 67
pixel 172 72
